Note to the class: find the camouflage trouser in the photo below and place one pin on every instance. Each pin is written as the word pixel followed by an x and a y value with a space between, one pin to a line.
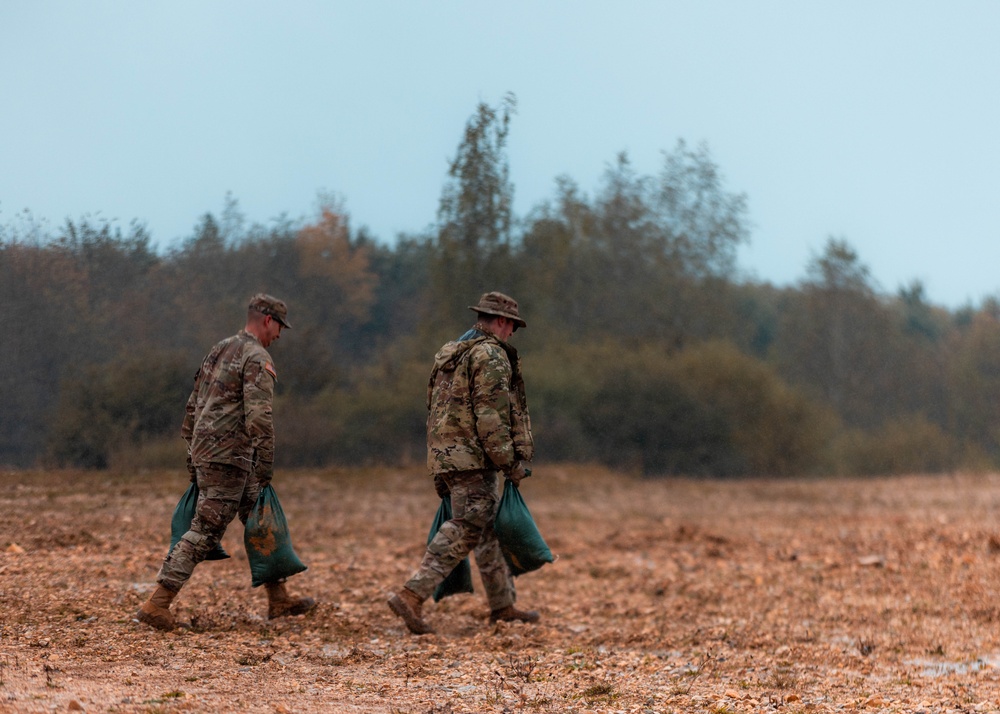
pixel 224 492
pixel 474 502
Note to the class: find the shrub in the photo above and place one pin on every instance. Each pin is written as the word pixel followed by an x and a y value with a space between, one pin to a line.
pixel 108 408
pixel 774 428
pixel 908 445
pixel 652 423
pixel 378 418
pixel 708 410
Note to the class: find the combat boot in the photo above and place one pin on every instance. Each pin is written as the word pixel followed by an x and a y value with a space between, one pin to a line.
pixel 408 606
pixel 155 612
pixel 280 603
pixel 512 614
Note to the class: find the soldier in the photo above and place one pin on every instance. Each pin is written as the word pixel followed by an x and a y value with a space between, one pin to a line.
pixel 477 428
pixel 230 437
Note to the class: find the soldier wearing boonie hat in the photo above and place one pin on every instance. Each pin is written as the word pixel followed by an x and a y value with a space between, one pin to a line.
pixel 477 428
pixel 501 305
pixel 230 436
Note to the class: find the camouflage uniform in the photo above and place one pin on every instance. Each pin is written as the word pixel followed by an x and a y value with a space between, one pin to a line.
pixel 224 492
pixel 227 425
pixel 477 427
pixel 228 415
pixel 230 438
pixel 477 412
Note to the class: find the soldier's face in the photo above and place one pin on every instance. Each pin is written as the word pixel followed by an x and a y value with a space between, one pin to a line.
pixel 505 328
pixel 272 331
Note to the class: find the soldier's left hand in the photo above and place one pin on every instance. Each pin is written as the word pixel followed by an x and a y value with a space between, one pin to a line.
pixel 440 486
pixel 192 472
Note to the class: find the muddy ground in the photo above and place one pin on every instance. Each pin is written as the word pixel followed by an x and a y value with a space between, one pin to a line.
pixel 667 596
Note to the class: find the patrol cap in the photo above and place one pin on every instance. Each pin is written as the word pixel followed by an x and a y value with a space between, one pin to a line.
pixel 495 303
pixel 269 305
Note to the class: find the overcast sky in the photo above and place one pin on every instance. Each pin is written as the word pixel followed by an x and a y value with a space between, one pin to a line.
pixel 875 121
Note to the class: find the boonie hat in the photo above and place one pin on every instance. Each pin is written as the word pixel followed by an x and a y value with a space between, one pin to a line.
pixel 495 303
pixel 269 305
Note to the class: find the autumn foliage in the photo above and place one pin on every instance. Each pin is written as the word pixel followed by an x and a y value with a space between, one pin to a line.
pixel 646 347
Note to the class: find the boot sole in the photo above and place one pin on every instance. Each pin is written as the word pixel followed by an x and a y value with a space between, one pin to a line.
pixel 307 605
pixel 529 617
pixel 154 622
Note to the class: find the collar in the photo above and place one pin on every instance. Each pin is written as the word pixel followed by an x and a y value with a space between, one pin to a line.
pixel 252 336
pixel 483 329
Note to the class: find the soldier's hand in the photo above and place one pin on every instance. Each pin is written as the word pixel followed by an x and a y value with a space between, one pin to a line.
pixel 440 486
pixel 192 472
pixel 517 472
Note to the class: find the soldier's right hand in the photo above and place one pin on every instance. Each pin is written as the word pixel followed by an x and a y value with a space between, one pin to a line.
pixel 517 472
pixel 192 472
pixel 263 472
pixel 440 486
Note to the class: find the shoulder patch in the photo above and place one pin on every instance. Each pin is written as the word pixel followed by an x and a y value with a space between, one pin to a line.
pixel 269 368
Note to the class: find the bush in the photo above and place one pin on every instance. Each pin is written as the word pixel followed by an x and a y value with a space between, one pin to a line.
pixel 775 430
pixel 150 453
pixel 379 418
pixel 709 410
pixel 116 406
pixel 651 423
pixel 304 432
pixel 560 382
pixel 908 445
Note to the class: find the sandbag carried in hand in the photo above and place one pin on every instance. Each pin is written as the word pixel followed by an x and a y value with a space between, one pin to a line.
pixel 268 542
pixel 181 522
pixel 459 580
pixel 522 545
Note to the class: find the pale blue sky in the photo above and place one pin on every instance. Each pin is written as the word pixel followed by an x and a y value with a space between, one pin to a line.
pixel 871 120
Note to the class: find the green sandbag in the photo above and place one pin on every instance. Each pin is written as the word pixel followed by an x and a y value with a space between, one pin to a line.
pixel 268 542
pixel 522 545
pixel 181 522
pixel 459 580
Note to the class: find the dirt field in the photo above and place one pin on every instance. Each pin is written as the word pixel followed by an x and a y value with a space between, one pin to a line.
pixel 668 596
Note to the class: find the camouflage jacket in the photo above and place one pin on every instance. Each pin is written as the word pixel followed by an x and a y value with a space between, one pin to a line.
pixel 228 415
pixel 477 414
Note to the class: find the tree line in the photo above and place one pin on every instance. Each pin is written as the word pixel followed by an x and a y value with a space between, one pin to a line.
pixel 646 348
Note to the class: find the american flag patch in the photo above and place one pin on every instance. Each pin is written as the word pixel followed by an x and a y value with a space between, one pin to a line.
pixel 269 368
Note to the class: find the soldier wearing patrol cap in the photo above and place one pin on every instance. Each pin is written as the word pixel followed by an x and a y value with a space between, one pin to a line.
pixel 230 437
pixel 477 429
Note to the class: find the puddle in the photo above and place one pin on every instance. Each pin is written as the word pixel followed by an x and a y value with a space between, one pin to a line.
pixel 942 668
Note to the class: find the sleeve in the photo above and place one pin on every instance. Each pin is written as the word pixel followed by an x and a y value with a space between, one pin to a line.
pixel 520 421
pixel 490 386
pixel 258 392
pixel 187 428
